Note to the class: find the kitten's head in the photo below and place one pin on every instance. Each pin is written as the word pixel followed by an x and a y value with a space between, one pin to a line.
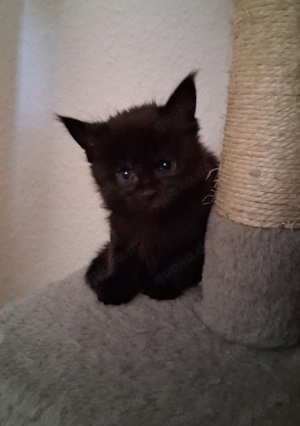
pixel 140 155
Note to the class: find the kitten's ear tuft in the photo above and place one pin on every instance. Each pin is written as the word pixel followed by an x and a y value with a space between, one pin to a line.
pixel 82 132
pixel 184 98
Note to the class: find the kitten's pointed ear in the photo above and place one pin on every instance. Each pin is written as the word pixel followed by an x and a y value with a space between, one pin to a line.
pixel 183 100
pixel 82 132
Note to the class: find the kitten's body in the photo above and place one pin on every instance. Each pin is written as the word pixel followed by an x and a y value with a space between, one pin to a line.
pixel 153 176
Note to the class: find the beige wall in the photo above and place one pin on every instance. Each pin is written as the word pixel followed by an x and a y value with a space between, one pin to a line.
pixel 87 58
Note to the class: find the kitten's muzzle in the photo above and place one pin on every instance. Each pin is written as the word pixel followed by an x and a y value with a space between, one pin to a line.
pixel 148 193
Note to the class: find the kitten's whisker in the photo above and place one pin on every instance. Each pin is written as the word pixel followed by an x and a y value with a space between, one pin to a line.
pixel 211 197
pixel 210 172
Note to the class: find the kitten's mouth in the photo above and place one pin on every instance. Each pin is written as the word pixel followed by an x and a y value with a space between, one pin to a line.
pixel 153 204
pixel 146 204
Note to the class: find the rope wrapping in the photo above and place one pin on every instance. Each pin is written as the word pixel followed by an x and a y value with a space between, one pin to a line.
pixel 259 176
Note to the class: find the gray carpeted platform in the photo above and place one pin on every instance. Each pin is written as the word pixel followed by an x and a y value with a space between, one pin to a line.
pixel 68 360
pixel 247 270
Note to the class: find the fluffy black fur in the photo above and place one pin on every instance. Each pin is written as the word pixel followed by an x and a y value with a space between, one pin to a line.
pixel 153 176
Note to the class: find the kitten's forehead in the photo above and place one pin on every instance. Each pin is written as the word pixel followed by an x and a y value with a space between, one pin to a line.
pixel 144 135
pixel 134 133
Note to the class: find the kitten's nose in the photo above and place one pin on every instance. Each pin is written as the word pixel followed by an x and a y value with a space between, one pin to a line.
pixel 148 193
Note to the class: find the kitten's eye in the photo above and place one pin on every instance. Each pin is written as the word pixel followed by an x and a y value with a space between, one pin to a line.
pixel 166 166
pixel 125 175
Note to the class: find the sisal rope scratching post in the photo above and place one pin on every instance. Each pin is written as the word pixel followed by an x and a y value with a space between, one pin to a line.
pixel 251 276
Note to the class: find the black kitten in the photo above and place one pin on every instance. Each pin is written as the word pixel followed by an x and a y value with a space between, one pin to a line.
pixel 156 180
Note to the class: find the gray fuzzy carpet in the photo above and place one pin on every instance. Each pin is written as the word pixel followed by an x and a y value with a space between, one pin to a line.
pixel 248 270
pixel 66 359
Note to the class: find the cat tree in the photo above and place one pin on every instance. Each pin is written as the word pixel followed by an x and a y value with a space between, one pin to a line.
pixel 251 274
pixel 67 360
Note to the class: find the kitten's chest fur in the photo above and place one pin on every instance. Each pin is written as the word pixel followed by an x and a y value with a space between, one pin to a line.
pixel 159 235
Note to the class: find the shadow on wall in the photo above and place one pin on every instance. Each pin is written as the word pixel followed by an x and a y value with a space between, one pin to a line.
pixel 10 16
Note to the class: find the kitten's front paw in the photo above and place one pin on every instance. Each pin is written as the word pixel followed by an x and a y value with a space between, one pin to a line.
pixel 113 292
pixel 163 290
